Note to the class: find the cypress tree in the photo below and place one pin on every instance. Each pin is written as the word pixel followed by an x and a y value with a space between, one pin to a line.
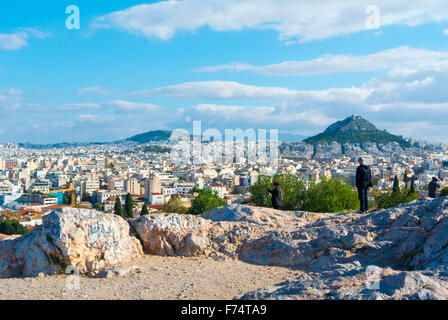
pixel 412 191
pixel 396 187
pixel 145 210
pixel 128 207
pixel 118 209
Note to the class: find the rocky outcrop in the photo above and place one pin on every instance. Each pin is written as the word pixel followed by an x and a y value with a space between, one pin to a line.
pixel 189 235
pixel 410 242
pixel 411 236
pixel 261 216
pixel 85 239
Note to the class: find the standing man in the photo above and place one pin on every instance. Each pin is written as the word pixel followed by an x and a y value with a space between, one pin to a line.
pixel 433 186
pixel 277 196
pixel 363 183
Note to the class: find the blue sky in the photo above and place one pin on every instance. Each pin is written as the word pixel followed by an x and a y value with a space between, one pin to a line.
pixel 291 65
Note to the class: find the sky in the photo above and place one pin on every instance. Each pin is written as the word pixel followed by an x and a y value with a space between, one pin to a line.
pixel 292 65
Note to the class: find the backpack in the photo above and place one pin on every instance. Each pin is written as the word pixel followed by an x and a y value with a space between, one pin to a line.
pixel 368 174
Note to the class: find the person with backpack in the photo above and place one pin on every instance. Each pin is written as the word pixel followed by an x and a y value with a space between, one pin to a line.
pixel 363 183
pixel 277 196
pixel 433 186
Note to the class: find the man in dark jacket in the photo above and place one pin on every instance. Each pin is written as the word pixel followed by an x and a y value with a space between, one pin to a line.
pixel 433 186
pixel 277 196
pixel 363 183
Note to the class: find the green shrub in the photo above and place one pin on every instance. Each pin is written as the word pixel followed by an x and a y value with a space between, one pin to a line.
pixel 206 200
pixel 330 195
pixel 174 206
pixel 393 199
pixel 10 227
pixel 444 192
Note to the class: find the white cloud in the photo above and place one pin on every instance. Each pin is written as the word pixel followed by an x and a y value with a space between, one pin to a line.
pixel 18 40
pixel 293 20
pixel 400 60
pixel 95 118
pixel 219 90
pixel 226 90
pixel 126 106
pixel 13 41
pixel 93 90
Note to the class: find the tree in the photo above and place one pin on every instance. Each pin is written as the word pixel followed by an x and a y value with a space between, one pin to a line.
pixel 98 206
pixel 174 205
pixel 66 198
pixel 10 227
pixel 405 179
pixel 330 195
pixel 145 210
pixel 128 207
pixel 444 192
pixel 118 209
pixel 396 187
pixel 87 197
pixel 206 200
pixel 412 189
pixel 293 188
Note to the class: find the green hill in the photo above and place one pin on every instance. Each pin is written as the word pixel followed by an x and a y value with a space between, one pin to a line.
pixel 151 136
pixel 355 129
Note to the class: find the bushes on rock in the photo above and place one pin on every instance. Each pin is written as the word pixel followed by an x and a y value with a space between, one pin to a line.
pixel 393 199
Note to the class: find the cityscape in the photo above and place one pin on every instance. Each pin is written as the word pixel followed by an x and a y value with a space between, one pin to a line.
pixel 236 153
pixel 34 182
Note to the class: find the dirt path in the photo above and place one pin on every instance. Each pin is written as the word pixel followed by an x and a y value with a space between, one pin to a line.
pixel 156 278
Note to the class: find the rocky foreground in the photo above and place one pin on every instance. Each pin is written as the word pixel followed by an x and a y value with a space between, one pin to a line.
pixel 399 253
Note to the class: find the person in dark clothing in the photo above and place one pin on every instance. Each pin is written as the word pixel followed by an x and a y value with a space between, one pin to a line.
pixel 433 186
pixel 277 196
pixel 363 183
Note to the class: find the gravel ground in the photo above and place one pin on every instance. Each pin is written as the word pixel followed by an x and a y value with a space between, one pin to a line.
pixel 154 278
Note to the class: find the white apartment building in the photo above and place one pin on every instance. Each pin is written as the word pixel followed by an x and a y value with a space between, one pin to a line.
pixel 132 186
pixel 183 187
pixel 219 189
pixel 41 186
pixel 103 195
pixel 156 199
pixel 115 184
pixel 88 186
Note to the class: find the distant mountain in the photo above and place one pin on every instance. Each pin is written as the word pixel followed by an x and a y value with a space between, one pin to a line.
pixel 355 129
pixel 151 136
